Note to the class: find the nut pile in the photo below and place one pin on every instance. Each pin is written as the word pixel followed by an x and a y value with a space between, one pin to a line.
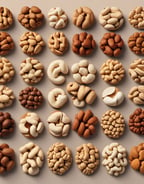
pixel 6 18
pixel 59 158
pixel 87 158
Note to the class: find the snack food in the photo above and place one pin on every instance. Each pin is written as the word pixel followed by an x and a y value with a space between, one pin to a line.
pixel 31 43
pixel 6 70
pixel 87 158
pixel 57 18
pixel 30 97
pixel 83 44
pixel 6 18
pixel 31 17
pixel 83 17
pixel 59 158
pixel 136 95
pixel 111 44
pixel 114 159
pixel 113 124
pixel 112 71
pixel 30 125
pixel 31 158
pixel 112 96
pixel 83 72
pixel 85 123
pixel 31 70
pixel 59 124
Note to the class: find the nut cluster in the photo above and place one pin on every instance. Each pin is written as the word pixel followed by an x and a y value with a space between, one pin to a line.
pixel 31 17
pixel 136 95
pixel 83 44
pixel 111 44
pixel 81 94
pixel 113 124
pixel 85 123
pixel 114 159
pixel 83 72
pixel 31 43
pixel 7 158
pixel 87 158
pixel 6 18
pixel 31 158
pixel 112 71
pixel 59 158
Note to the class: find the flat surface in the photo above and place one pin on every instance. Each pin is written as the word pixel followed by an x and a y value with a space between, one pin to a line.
pixel 73 140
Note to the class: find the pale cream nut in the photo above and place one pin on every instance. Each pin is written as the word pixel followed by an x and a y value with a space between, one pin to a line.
pixel 136 95
pixel 83 72
pixel 56 71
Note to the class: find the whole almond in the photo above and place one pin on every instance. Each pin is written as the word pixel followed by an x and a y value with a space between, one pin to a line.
pixel 135 164
pixel 87 115
pixel 81 129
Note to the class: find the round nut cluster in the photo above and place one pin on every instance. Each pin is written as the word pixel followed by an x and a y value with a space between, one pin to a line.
pixel 6 43
pixel 30 125
pixel 59 124
pixel 6 70
pixel 111 18
pixel 136 121
pixel 114 159
pixel 57 18
pixel 56 70
pixel 31 17
pixel 83 44
pixel 30 97
pixel 31 158
pixel 7 158
pixel 31 43
pixel 85 123
pixel 81 94
pixel 83 17
pixel 6 18
pixel 112 96
pixel 112 71
pixel 31 70
pixel 59 158
pixel 113 124
pixel 83 72
pixel 136 70
pixel 136 43
pixel 111 44
pixel 136 95
pixel 87 158
pixel 6 96
pixel 136 17
pixel 136 158
pixel 7 124
pixel 58 43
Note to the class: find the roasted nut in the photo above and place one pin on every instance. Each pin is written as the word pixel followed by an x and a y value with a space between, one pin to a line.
pixel 136 95
pixel 6 18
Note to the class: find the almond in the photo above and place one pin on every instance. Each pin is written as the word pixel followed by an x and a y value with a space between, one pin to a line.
pixel 135 164
pixel 87 115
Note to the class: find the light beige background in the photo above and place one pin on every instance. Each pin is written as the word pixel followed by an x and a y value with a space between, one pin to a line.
pixel 73 140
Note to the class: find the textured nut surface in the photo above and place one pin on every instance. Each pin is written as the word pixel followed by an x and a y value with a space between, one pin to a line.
pixel 59 158
pixel 136 95
pixel 87 158
pixel 114 159
pixel 83 72
pixel 112 71
pixel 6 18
pixel 83 17
pixel 31 158
pixel 113 124
pixel 30 125
pixel 57 18
pixel 31 70
pixel 59 124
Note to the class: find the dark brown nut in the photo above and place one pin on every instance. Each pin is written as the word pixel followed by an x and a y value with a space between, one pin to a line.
pixel 7 158
pixel 83 17
pixel 58 43
pixel 6 43
pixel 136 95
pixel 85 123
pixel 111 44
pixel 31 43
pixel 30 97
pixel 6 18
pixel 31 17
pixel 83 44
pixel 136 43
